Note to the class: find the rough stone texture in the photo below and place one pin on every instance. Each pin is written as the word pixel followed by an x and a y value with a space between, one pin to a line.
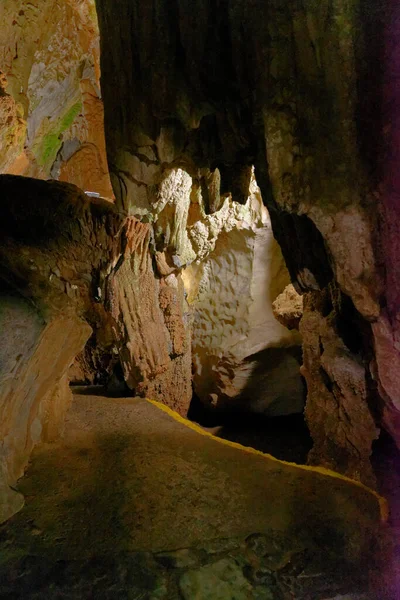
pixel 132 503
pixel 53 81
pixel 335 370
pixel 219 580
pixel 231 269
pixel 69 263
pixel 288 307
pixel 51 110
pixel 47 260
pixel 34 393
pixel 216 254
pixel 287 88
pixel 148 320
pixel 231 292
pixel 97 362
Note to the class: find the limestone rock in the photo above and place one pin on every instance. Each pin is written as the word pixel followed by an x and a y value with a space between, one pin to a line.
pixel 336 411
pixel 288 307
pixel 148 323
pixel 267 92
pixel 34 396
pixel 230 288
pixel 72 264
pixel 51 107
pixel 264 89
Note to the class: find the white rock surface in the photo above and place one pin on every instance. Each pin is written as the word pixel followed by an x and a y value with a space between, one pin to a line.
pixel 238 273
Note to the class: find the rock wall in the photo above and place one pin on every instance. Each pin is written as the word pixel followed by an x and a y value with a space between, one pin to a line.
pixel 72 266
pixel 292 90
pixel 76 268
pixel 289 89
pixel 35 392
pixel 231 291
pixel 51 112
pixel 341 400
pixel 232 269
pixel 148 322
pixel 52 103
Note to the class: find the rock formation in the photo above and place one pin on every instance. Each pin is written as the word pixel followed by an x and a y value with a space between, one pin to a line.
pixel 70 265
pixel 198 98
pixel 51 112
pixel 92 270
pixel 231 290
pixel 286 88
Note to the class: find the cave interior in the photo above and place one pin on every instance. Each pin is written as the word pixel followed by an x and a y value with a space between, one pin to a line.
pixel 199 258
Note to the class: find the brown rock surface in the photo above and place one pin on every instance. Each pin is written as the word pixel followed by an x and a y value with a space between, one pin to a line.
pixel 284 87
pixel 69 263
pixel 263 88
pixel 231 292
pixel 34 393
pixel 154 343
pixel 337 410
pixel 288 307
pixel 51 110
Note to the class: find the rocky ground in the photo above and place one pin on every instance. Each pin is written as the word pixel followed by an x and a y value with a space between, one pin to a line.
pixel 132 503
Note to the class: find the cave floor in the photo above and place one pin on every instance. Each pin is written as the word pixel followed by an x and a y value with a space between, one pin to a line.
pixel 132 503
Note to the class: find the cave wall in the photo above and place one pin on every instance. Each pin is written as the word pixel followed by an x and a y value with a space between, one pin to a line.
pixel 35 393
pixel 289 88
pixel 226 268
pixel 70 266
pixel 231 291
pixel 194 95
pixel 152 330
pixel 77 268
pixel 73 268
pixel 386 329
pixel 249 85
pixel 52 102
pixel 48 256
pixel 51 111
pixel 53 127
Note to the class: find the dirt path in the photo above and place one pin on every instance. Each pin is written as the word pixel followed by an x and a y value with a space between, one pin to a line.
pixel 129 485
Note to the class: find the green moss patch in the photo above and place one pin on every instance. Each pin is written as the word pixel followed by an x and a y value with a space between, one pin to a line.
pixel 51 142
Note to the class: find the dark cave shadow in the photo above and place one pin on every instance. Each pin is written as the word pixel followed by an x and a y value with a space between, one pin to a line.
pixel 275 386
pixel 88 390
pixel 245 419
pixel 385 460
pixel 102 390
pixel 286 438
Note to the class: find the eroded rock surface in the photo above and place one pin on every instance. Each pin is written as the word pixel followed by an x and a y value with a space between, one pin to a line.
pixel 72 265
pixel 35 393
pixel 288 307
pixel 261 87
pixel 50 103
pixel 286 88
pixel 339 394
pixel 231 291
pixel 231 269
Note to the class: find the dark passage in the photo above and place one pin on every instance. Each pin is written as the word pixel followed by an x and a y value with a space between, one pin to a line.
pixel 286 437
